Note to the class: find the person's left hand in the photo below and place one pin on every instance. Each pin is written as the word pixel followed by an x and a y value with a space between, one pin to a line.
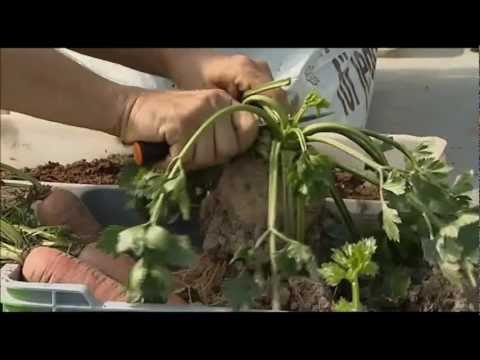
pixel 202 69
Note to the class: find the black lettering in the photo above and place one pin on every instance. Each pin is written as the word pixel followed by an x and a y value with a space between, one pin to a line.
pixel 310 76
pixel 363 70
pixel 340 78
pixel 352 87
pixel 363 81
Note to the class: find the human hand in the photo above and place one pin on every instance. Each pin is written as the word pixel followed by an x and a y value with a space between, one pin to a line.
pixel 202 69
pixel 173 117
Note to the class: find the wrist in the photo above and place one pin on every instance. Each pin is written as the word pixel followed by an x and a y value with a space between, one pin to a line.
pixel 123 99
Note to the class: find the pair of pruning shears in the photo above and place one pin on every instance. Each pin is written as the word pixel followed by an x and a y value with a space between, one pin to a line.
pixel 148 152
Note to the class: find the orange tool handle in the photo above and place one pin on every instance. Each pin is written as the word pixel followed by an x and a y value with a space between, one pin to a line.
pixel 145 153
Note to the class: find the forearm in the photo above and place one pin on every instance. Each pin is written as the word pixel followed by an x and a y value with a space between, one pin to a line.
pixel 46 84
pixel 158 61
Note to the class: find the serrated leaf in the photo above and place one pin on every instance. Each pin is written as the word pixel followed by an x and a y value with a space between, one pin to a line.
pixel 344 306
pixel 351 261
pixel 390 220
pixel 332 273
pixel 312 176
pixel 109 239
pixel 316 101
pixel 395 183
pixel 241 291
pixel 301 253
pixel 131 239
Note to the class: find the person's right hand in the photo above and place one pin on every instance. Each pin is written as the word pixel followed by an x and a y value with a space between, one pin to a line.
pixel 173 117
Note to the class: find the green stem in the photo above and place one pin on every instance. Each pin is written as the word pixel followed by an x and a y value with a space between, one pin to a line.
pixel 346 149
pixel 301 138
pixel 298 115
pixel 282 236
pixel 300 218
pixel 356 295
pixel 266 87
pixel 271 220
pixel 267 102
pixel 262 238
pixel 345 214
pixel 361 174
pixel 391 142
pixel 228 111
pixel 353 135
pixel 288 209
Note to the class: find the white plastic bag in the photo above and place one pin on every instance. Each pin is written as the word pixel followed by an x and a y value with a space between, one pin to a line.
pixel 344 76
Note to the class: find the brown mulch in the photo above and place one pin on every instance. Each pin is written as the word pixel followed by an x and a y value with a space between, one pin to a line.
pixel 351 187
pixel 99 171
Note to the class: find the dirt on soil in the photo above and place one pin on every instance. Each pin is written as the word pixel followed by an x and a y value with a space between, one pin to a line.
pixel 436 294
pixel 99 171
pixel 351 187
pixel 203 283
pixel 106 172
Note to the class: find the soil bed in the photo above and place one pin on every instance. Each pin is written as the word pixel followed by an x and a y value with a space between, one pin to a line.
pixel 106 172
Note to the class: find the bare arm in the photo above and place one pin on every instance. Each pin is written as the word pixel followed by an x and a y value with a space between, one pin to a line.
pixel 47 84
pixel 158 61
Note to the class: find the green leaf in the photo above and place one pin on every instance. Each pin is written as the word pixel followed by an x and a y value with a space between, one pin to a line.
pixel 469 239
pixel 177 189
pixel 383 146
pixel 390 220
pixel 351 261
pixel 313 100
pixel 312 176
pixel 370 269
pixel 136 279
pixel 131 239
pixel 429 250
pixel 128 174
pixel 451 271
pixel 301 253
pixel 332 273
pixel 466 218
pixel 241 291
pixel 463 183
pixel 423 150
pixel 287 266
pixel 167 248
pixel 109 239
pixel 157 284
pixel 397 281
pixel 344 306
pixel 395 183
